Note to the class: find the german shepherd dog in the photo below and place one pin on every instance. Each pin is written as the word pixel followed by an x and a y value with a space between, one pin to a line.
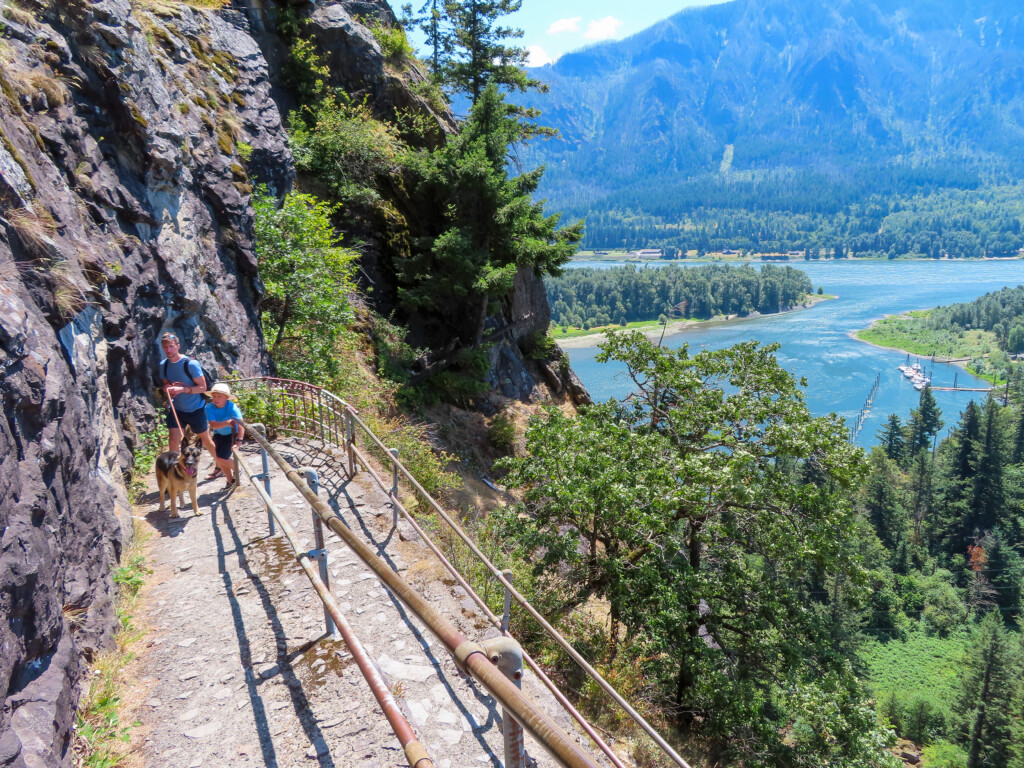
pixel 176 471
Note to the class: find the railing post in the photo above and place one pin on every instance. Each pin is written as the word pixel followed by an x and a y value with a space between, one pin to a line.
pixel 320 553
pixel 350 441
pixel 320 415
pixel 507 614
pixel 507 656
pixel 265 476
pixel 394 487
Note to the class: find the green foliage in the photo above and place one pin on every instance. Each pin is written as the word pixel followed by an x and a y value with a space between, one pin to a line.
pixel 131 576
pixel 487 226
pixel 393 43
pixel 149 446
pixel 943 754
pixel 101 735
pixel 244 151
pixel 394 357
pixel 629 294
pixel 347 148
pixel 502 431
pixel 990 678
pixel 541 346
pixel 480 53
pixel 259 404
pixel 919 674
pixel 308 278
pixel 305 71
pixel 705 512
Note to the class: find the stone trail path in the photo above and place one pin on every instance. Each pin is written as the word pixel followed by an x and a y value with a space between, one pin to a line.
pixel 236 668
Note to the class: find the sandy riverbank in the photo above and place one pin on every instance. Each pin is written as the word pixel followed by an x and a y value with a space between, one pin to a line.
pixel 678 326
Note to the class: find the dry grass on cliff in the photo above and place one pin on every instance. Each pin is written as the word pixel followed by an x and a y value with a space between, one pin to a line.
pixel 35 231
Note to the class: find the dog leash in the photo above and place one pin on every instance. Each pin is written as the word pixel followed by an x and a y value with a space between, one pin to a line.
pixel 170 401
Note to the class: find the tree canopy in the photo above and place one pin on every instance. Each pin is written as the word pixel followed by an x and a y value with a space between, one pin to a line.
pixel 484 226
pixel 712 512
pixel 308 279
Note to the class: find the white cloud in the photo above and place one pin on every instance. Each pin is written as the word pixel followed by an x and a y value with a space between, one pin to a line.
pixel 537 56
pixel 602 29
pixel 571 24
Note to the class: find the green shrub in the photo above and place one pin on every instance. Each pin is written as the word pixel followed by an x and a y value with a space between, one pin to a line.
pixel 502 431
pixel 942 754
pixel 259 404
pixel 393 43
pixel 923 721
pixel 305 71
pixel 541 346
pixel 149 446
pixel 347 148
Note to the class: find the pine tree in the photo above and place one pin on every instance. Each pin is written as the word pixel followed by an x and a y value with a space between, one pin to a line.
pixel 988 685
pixel 966 440
pixel 1005 570
pixel 925 422
pixel 882 500
pixel 431 22
pixel 1018 439
pixel 987 498
pixel 488 228
pixel 481 49
pixel 891 438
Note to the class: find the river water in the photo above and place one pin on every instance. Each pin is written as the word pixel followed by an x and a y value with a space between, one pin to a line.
pixel 816 343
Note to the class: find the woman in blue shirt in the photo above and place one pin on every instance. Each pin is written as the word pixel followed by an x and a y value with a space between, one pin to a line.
pixel 226 424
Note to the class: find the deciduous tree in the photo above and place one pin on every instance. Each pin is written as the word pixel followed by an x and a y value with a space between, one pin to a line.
pixel 712 512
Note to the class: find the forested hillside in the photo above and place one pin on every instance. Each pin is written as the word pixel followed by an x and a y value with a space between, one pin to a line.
pixel 943 550
pixel 881 128
pixel 589 297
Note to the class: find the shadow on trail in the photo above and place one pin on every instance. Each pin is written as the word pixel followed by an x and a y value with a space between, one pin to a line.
pixel 284 659
pixel 335 483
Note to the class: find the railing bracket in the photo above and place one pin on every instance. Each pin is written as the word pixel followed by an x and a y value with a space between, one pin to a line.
pixel 463 651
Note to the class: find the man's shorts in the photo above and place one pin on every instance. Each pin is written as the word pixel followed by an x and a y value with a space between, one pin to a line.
pixel 223 444
pixel 195 419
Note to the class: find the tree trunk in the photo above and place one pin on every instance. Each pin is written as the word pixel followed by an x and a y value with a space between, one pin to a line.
pixel 481 322
pixel 979 719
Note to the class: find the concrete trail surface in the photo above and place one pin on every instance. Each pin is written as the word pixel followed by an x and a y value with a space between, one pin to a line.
pixel 236 668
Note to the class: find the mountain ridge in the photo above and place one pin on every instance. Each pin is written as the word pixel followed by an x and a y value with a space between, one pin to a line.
pixel 790 86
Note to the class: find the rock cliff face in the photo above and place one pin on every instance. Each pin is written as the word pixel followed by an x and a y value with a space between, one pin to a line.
pixel 131 133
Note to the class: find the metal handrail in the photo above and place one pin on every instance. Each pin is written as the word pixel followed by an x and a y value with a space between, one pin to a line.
pixel 415 753
pixel 470 657
pixel 339 408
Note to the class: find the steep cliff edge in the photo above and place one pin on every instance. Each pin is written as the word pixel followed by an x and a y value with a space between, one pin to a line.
pixel 123 213
pixel 131 134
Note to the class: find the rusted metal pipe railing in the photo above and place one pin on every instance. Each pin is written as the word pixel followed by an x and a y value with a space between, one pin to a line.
pixel 356 457
pixel 531 662
pixel 552 632
pixel 469 656
pixel 415 753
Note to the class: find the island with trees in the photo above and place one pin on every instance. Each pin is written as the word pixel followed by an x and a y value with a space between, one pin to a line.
pixel 590 298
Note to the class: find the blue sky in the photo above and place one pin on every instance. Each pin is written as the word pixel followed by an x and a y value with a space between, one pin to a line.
pixel 558 26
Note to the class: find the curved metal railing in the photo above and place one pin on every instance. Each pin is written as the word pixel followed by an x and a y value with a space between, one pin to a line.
pixel 305 410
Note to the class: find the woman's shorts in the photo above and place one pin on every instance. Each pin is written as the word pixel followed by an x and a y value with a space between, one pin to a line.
pixel 195 419
pixel 223 444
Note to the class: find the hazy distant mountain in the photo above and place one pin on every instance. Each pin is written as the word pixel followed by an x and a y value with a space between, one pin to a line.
pixel 757 88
